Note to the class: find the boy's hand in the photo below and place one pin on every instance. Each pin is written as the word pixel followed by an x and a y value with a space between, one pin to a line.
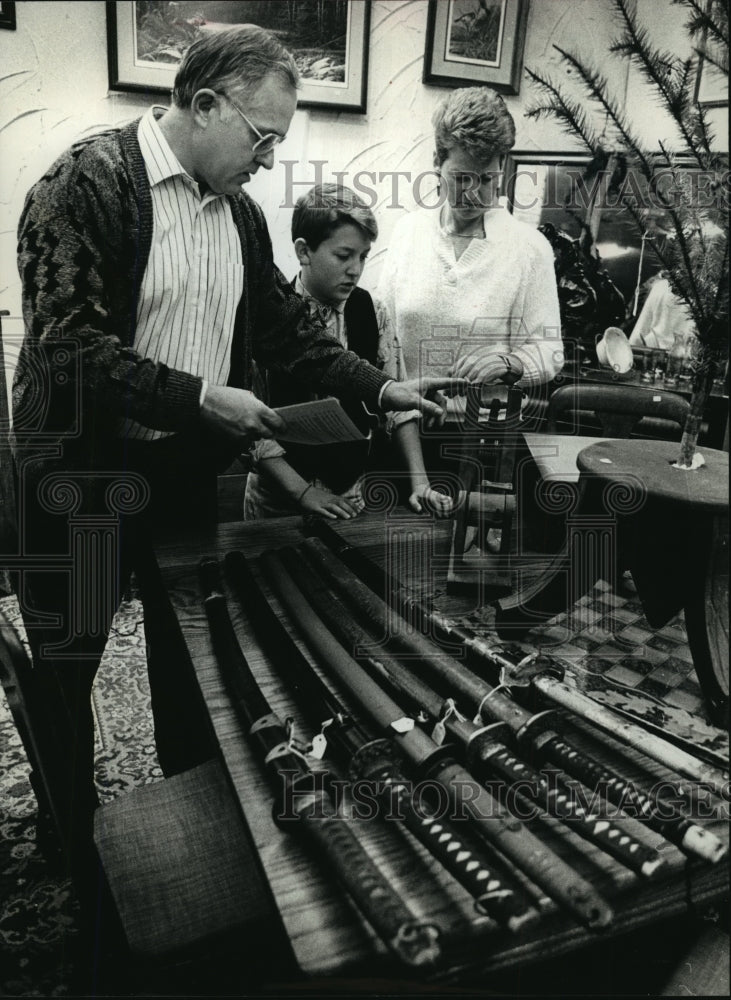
pixel 425 394
pixel 426 500
pixel 317 501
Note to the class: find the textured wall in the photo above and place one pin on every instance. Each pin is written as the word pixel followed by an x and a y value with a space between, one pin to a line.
pixel 53 87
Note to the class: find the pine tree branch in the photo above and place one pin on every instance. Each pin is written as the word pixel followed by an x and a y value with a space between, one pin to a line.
pixel 719 61
pixel 598 89
pixel 674 94
pixel 569 113
pixel 703 19
pixel 682 241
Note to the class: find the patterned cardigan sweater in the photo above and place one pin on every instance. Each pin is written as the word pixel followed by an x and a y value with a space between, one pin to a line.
pixel 84 240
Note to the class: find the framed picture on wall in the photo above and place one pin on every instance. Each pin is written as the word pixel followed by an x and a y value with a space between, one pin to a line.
pixel 7 15
pixel 475 41
pixel 329 41
pixel 553 188
pixel 549 188
pixel 711 83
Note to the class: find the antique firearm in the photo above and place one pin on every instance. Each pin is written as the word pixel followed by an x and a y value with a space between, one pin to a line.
pixel 416 944
pixel 496 894
pixel 530 729
pixel 484 747
pixel 466 796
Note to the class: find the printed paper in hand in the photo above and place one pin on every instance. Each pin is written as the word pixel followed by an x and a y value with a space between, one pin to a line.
pixel 323 421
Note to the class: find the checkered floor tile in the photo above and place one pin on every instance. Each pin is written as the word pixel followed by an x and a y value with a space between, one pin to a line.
pixel 609 647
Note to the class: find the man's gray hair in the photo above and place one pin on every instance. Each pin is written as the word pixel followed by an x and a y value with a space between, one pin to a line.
pixel 474 119
pixel 237 57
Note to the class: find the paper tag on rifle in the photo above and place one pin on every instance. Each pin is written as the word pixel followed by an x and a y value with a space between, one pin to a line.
pixel 319 746
pixel 403 725
pixel 438 733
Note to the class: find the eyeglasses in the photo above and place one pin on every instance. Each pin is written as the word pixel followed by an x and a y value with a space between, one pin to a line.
pixel 265 143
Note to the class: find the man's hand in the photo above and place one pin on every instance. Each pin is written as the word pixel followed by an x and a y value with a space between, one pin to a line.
pixel 239 414
pixel 484 365
pixel 425 394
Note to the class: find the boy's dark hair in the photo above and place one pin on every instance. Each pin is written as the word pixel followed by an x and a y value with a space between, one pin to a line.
pixel 324 208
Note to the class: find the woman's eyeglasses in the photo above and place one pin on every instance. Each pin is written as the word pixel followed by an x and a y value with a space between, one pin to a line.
pixel 265 143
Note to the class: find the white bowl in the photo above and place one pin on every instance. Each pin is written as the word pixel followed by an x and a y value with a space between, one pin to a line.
pixel 613 350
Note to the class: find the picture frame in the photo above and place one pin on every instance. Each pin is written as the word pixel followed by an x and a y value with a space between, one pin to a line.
pixel 550 188
pixel 145 42
pixel 711 84
pixel 476 42
pixel 7 15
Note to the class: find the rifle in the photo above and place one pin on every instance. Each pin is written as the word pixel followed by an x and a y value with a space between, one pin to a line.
pixel 430 761
pixel 530 730
pixel 495 893
pixel 484 747
pixel 414 943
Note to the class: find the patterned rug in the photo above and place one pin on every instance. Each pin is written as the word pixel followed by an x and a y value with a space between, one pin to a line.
pixel 38 910
pixel 606 644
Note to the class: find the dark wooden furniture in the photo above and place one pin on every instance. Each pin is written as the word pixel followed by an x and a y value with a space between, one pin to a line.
pixel 633 509
pixel 487 493
pixel 330 941
pixel 715 419
pixel 619 409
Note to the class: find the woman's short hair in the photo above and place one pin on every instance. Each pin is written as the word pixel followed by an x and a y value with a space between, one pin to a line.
pixel 237 57
pixel 325 207
pixel 474 119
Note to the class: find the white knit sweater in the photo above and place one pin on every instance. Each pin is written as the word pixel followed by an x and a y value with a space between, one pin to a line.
pixel 500 294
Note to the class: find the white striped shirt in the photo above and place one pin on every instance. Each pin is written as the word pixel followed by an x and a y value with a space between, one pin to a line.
pixel 194 275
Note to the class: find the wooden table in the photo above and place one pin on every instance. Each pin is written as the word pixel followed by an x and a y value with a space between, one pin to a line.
pixel 328 937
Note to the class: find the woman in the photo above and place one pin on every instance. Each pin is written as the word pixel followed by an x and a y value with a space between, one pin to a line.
pixel 470 289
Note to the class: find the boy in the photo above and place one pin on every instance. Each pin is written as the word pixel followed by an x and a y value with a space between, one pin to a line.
pixel 332 231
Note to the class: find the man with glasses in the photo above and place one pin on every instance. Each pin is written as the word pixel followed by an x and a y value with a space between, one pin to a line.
pixel 148 288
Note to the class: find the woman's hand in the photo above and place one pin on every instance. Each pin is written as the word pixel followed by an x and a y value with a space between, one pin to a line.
pixel 484 365
pixel 426 500
pixel 317 501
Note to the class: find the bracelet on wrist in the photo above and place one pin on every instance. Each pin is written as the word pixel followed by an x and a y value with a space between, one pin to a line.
pixel 301 496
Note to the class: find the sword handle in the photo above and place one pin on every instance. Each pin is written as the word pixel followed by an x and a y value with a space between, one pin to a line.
pixel 556 800
pixel 660 815
pixel 414 942
pixel 496 894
